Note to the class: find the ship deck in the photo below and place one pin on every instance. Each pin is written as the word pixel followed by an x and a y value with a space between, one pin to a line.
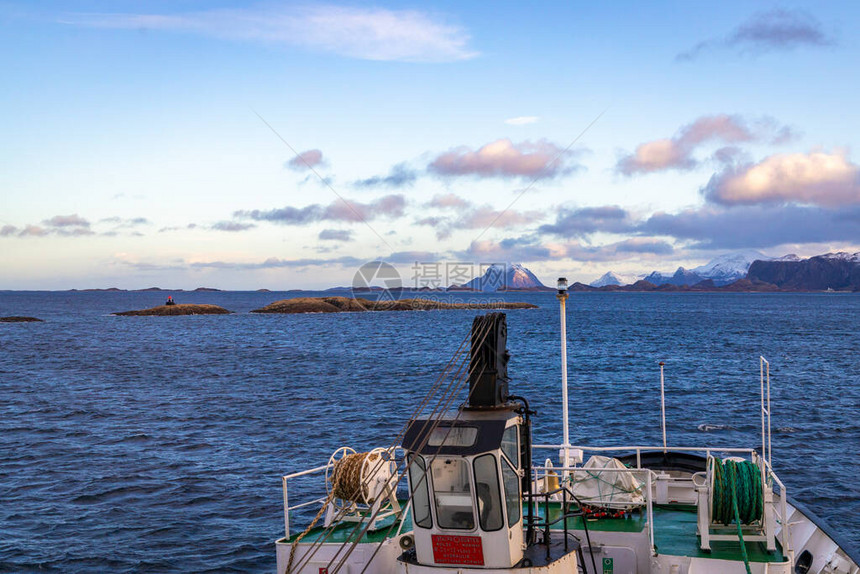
pixel 675 528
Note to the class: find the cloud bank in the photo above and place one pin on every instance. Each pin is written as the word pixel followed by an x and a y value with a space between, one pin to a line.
pixel 677 152
pixel 587 220
pixel 767 32
pixel 64 225
pixel 305 160
pixel 391 206
pixel 355 32
pixel 817 178
pixel 460 214
pixel 401 175
pixel 335 235
pixel 504 159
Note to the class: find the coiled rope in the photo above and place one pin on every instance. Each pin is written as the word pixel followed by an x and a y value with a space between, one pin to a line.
pixel 345 484
pixel 457 380
pixel 736 496
pixel 346 477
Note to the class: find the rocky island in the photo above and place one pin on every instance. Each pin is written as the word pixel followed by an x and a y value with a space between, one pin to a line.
pixel 181 309
pixel 347 304
pixel 20 320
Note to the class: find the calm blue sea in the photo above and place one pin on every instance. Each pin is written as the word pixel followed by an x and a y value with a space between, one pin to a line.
pixel 156 444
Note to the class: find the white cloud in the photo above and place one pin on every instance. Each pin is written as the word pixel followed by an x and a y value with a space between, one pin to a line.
pixel 503 158
pixel 354 32
pixel 677 152
pixel 305 160
pixel 818 178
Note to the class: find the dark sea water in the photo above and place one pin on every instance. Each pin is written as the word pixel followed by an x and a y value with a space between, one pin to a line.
pixel 156 444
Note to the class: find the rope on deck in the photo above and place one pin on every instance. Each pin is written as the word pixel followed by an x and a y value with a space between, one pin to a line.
pixel 737 496
pixel 346 485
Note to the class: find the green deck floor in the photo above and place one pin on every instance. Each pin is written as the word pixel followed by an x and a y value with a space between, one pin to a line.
pixel 674 533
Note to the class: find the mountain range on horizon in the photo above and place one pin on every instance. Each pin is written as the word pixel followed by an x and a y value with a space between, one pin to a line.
pixel 722 270
pixel 739 270
pixel 840 270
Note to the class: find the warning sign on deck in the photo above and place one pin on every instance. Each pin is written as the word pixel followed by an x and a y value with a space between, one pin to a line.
pixel 449 549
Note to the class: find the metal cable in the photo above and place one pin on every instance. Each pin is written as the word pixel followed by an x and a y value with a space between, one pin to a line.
pixel 308 555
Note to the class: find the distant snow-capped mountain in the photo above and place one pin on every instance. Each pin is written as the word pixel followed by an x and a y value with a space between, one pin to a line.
pixel 721 270
pixel 831 271
pixel 680 277
pixel 843 256
pixel 612 278
pixel 505 276
pixel 729 267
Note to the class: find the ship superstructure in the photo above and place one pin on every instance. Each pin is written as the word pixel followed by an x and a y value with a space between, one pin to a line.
pixel 458 492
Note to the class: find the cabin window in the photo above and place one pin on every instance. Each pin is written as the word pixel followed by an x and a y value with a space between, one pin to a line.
pixel 487 493
pixel 420 493
pixel 453 493
pixel 511 445
pixel 452 436
pixel 512 493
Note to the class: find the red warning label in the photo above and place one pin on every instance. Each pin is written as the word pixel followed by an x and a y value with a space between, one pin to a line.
pixel 457 550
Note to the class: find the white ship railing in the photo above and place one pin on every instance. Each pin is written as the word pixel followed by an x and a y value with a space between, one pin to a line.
pixel 287 508
pixel 781 509
pixel 645 475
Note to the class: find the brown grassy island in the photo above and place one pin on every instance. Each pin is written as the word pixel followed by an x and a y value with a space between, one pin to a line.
pixel 181 309
pixel 347 304
pixel 20 320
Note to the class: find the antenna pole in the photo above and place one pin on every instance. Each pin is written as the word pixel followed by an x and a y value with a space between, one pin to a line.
pixel 562 299
pixel 663 405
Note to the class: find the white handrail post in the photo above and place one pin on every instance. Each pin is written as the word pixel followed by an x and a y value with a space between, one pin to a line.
pixel 286 509
pixel 761 400
pixel 764 374
pixel 663 405
pixel 650 511
pixel 769 449
pixel 562 299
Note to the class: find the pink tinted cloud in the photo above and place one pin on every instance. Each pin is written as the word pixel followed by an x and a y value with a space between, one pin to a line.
pixel 677 152
pixel 816 178
pixel 503 158
pixel 480 217
pixel 305 160
pixel 387 206
pixel 73 220
pixel 448 201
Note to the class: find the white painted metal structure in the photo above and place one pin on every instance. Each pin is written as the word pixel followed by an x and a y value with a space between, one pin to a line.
pixel 565 403
pixel 794 542
pixel 663 405
pixel 796 532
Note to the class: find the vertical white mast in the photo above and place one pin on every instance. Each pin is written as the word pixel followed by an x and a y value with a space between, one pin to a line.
pixel 663 405
pixel 562 298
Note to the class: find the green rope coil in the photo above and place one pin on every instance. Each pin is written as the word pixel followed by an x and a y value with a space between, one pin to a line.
pixel 736 483
pixel 737 496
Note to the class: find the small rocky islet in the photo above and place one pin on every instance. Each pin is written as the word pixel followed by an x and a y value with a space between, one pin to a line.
pixel 347 304
pixel 177 309
pixel 326 305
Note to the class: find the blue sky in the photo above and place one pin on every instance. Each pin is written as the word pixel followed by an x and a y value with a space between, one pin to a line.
pixel 150 143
